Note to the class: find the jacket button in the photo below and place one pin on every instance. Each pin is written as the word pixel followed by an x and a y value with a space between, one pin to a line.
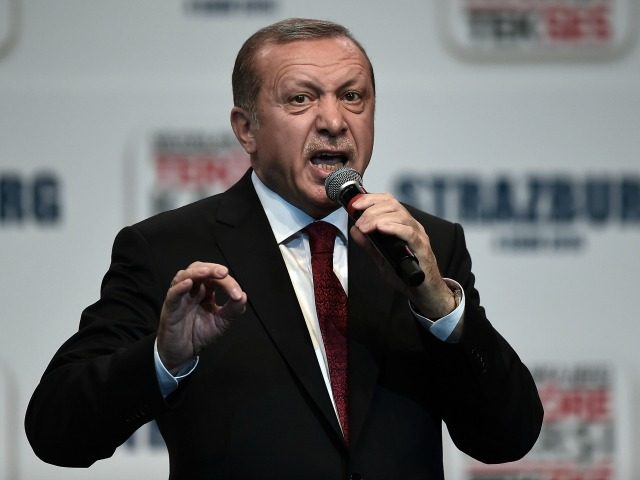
pixel 355 476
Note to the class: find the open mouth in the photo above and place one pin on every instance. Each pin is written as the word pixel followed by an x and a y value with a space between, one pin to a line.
pixel 329 161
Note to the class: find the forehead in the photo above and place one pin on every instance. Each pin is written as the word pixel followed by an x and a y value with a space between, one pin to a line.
pixel 275 59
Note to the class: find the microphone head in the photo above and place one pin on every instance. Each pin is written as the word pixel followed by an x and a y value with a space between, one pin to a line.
pixel 334 182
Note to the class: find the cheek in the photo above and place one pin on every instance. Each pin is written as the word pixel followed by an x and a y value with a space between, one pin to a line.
pixel 364 136
pixel 362 125
pixel 289 137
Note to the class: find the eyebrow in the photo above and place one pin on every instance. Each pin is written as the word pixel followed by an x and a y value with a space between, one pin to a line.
pixel 313 85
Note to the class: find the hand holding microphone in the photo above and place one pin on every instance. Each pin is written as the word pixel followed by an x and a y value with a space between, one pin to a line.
pixel 420 280
pixel 345 186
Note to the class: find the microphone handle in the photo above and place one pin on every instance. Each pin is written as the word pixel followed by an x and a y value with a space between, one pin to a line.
pixel 396 251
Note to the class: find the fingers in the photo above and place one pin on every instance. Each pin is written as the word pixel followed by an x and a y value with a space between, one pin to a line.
pixel 364 243
pixel 189 280
pixel 198 283
pixel 382 212
pixel 176 293
pixel 199 271
pixel 190 319
pixel 234 307
pixel 227 287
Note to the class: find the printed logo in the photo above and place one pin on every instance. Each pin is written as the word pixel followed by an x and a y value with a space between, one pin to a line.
pixel 229 7
pixel 537 28
pixel 30 199
pixel 173 168
pixel 529 212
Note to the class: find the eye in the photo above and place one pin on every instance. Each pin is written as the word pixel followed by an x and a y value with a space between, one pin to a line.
pixel 300 99
pixel 352 96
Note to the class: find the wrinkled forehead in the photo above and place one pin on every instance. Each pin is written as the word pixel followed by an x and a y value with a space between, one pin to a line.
pixel 319 52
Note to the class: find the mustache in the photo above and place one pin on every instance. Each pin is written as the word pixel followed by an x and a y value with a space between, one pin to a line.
pixel 342 145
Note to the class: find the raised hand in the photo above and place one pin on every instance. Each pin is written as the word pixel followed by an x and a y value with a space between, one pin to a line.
pixel 191 319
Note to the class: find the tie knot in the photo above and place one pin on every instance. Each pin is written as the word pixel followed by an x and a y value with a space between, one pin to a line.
pixel 322 237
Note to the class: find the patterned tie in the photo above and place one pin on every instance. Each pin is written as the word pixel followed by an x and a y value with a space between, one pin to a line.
pixel 331 306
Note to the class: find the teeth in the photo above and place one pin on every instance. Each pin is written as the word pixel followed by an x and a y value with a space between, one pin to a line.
pixel 328 162
pixel 328 167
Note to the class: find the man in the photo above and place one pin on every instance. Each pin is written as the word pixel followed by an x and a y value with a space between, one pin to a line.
pixel 210 320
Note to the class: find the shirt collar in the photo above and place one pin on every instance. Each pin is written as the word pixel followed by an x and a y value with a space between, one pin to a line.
pixel 286 220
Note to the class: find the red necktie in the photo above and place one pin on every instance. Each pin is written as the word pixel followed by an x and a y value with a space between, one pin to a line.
pixel 331 306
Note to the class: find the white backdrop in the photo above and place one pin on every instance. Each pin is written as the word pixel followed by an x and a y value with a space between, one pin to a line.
pixel 84 85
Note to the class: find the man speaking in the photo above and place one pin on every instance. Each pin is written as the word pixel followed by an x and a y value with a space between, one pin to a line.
pixel 262 330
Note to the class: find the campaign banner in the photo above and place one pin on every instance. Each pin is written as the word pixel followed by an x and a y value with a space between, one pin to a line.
pixel 30 198
pixel 171 168
pixel 542 29
pixel 584 434
pixel 541 211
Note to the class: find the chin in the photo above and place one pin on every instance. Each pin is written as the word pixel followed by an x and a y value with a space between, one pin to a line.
pixel 325 210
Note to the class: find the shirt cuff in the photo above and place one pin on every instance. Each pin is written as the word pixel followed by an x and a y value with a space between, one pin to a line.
pixel 445 328
pixel 167 382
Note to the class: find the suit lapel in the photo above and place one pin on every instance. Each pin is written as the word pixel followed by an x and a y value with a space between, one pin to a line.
pixel 370 301
pixel 246 240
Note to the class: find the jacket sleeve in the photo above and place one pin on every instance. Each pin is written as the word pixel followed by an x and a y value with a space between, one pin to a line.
pixel 488 399
pixel 101 386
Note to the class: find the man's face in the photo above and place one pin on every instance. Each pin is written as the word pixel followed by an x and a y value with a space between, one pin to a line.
pixel 315 114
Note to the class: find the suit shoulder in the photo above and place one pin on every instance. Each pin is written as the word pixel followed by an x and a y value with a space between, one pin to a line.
pixel 202 213
pixel 185 217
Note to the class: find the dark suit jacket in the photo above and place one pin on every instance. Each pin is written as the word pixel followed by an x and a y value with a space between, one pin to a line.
pixel 257 406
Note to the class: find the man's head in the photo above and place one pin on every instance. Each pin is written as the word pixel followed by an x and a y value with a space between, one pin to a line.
pixel 246 81
pixel 304 100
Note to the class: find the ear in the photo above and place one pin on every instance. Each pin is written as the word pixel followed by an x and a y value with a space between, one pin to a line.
pixel 243 125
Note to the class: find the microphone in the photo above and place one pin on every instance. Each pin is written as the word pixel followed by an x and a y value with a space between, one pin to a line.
pixel 344 186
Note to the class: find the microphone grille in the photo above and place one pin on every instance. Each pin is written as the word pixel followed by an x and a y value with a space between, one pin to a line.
pixel 338 178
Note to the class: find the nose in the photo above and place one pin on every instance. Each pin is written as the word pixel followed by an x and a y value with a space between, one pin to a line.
pixel 330 119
